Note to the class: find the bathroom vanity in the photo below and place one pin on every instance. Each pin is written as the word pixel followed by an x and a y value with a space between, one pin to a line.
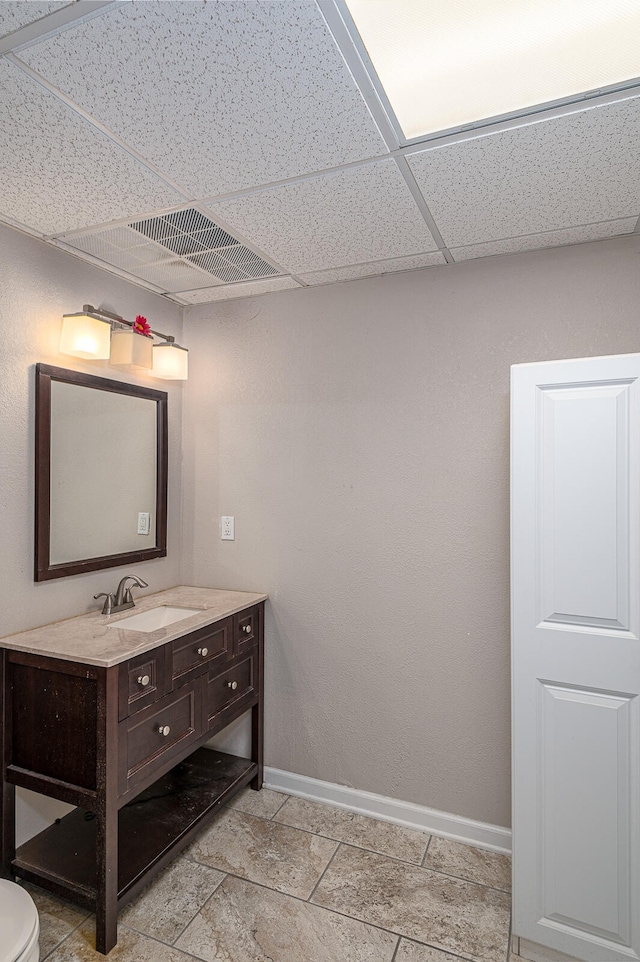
pixel 113 720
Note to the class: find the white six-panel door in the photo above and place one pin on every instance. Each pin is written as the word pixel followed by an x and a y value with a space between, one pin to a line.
pixel 575 434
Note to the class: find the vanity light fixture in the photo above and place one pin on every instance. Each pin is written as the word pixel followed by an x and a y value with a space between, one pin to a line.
pixel 85 335
pixel 99 334
pixel 170 361
pixel 131 351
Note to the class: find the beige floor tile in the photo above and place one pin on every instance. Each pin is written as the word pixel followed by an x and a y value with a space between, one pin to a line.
pixel 243 922
pixel 412 952
pixel 369 833
pixel 131 947
pixel 473 864
pixel 448 913
pixel 262 851
pixel 169 903
pixel 264 803
pixel 57 918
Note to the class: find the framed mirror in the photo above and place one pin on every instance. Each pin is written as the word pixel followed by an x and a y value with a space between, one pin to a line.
pixel 101 473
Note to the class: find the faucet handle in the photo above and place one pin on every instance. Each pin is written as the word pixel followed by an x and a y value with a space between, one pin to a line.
pixel 108 604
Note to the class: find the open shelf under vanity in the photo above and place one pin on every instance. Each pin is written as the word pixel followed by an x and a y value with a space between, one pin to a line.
pixel 152 829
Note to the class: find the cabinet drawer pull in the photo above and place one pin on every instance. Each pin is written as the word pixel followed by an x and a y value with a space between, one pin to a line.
pixel 164 730
pixel 203 651
pixel 232 684
pixel 143 680
pixel 247 628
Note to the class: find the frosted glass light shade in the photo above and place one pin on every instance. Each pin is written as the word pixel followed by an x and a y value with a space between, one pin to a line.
pixel 170 361
pixel 131 351
pixel 445 65
pixel 85 336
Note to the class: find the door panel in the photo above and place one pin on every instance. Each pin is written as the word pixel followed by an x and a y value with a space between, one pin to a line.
pixel 584 510
pixel 586 880
pixel 575 511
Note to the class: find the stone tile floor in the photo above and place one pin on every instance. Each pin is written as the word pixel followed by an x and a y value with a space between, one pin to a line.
pixel 282 879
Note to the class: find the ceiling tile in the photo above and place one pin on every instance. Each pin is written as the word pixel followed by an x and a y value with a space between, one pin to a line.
pixel 16 13
pixel 245 289
pixel 220 96
pixel 555 238
pixel 348 217
pixel 577 169
pixel 373 269
pixel 73 178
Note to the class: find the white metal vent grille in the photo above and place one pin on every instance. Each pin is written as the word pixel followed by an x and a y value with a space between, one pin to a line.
pixel 218 266
pixel 171 275
pixel 169 231
pixel 176 251
pixel 190 234
pixel 249 262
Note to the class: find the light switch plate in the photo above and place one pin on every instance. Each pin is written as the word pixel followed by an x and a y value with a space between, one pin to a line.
pixel 228 528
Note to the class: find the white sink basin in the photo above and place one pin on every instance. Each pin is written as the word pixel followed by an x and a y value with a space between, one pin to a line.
pixel 155 618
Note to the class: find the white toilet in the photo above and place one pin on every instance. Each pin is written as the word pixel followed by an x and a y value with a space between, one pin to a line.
pixel 19 925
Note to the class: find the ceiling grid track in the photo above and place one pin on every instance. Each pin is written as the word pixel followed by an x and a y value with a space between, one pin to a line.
pixel 105 131
pixel 346 36
pixel 417 195
pixel 334 15
pixel 219 208
pixel 299 178
pixel 51 24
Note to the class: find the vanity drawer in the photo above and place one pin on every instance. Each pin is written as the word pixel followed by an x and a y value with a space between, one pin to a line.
pixel 198 651
pixel 142 680
pixel 154 735
pixel 246 629
pixel 231 691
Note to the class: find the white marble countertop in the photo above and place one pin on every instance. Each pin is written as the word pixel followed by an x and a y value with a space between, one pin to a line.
pixel 89 639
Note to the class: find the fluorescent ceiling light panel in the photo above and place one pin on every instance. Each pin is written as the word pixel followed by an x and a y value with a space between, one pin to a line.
pixel 447 64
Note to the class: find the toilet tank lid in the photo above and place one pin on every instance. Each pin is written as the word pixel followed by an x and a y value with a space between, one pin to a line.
pixel 18 918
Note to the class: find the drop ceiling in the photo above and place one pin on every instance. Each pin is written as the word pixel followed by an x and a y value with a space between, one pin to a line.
pixel 214 150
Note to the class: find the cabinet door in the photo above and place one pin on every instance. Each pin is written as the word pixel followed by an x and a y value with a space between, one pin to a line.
pixel 143 679
pixel 576 655
pixel 231 692
pixel 247 629
pixel 150 739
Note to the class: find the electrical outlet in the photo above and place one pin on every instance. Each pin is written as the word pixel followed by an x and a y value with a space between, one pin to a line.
pixel 228 528
pixel 144 522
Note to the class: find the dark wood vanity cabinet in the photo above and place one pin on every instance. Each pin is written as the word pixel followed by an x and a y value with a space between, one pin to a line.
pixel 124 744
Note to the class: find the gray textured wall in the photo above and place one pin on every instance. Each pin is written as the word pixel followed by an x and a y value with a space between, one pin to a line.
pixel 359 434
pixel 37 286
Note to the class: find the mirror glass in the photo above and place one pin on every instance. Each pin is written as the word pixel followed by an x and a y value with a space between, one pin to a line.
pixel 101 473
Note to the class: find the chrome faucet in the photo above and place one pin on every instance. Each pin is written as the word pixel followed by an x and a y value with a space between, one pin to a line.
pixel 123 598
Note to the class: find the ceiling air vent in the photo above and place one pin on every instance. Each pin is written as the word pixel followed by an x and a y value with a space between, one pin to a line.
pixel 193 236
pixel 175 252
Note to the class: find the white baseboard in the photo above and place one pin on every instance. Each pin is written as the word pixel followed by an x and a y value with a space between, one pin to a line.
pixel 424 819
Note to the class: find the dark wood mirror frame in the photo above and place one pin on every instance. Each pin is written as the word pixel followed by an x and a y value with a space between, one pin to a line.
pixel 43 569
